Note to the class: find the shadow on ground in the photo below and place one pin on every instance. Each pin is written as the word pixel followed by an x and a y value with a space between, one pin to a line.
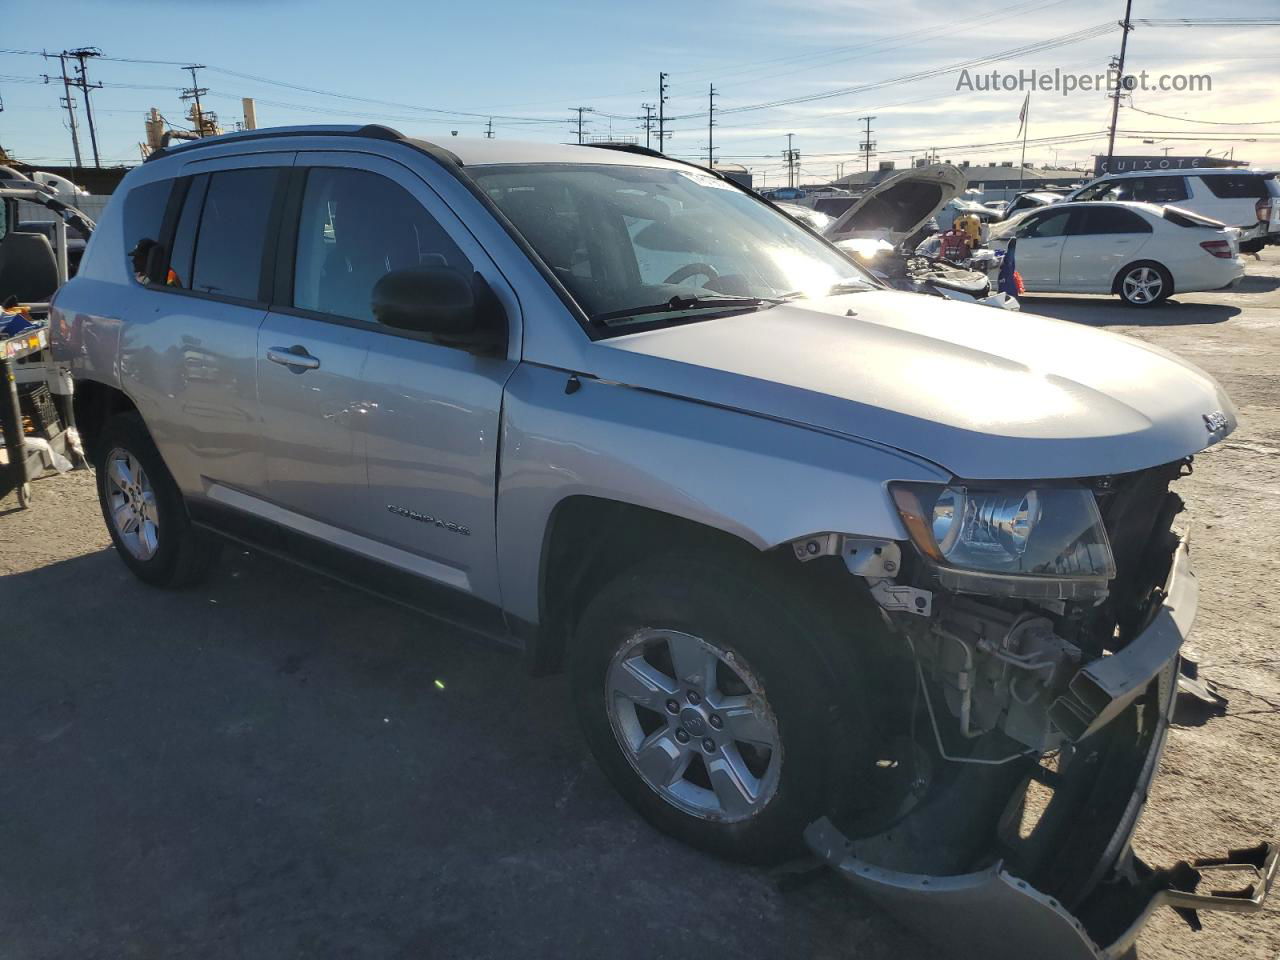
pixel 266 766
pixel 1109 312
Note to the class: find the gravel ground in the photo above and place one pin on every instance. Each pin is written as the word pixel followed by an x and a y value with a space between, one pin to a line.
pixel 265 766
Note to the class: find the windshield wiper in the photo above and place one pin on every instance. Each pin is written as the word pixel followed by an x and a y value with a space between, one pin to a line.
pixel 677 304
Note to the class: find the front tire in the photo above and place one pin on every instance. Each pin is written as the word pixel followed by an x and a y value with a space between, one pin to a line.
pixel 1144 284
pixel 144 509
pixel 704 698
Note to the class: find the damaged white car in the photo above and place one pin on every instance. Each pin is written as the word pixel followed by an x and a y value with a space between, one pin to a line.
pixel 882 227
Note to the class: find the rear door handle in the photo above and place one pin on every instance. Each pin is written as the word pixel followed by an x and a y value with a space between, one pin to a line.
pixel 295 358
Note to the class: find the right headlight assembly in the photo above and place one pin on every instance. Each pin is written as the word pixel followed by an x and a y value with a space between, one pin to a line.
pixel 1014 540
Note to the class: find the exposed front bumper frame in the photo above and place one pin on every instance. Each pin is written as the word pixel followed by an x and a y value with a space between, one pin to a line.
pixel 991 913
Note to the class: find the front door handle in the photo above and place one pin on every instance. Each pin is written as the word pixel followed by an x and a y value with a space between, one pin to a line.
pixel 295 358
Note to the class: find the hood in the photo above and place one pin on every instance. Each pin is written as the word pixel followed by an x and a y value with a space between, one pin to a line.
pixel 899 205
pixel 986 394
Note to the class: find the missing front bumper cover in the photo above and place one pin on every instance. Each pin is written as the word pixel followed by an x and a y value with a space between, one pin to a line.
pixel 992 914
pixel 975 864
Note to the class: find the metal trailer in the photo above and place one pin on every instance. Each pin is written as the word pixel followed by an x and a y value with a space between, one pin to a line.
pixel 25 358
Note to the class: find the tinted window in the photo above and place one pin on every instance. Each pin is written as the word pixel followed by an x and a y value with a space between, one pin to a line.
pixel 1099 191
pixel 143 218
pixel 233 232
pixel 4 218
pixel 1048 225
pixel 356 227
pixel 1153 189
pixel 1236 186
pixel 1094 220
pixel 184 237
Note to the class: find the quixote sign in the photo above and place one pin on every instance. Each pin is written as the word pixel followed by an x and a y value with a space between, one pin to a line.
pixel 1128 164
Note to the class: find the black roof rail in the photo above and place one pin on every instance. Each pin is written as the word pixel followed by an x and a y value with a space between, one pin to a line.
pixel 369 131
pixel 659 155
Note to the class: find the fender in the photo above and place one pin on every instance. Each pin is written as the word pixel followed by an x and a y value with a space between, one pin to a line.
pixel 761 480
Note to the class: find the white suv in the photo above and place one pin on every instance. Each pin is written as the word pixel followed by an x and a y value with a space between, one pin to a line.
pixel 1239 198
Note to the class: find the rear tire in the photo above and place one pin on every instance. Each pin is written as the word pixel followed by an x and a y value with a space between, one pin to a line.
pixel 766 724
pixel 144 510
pixel 1144 284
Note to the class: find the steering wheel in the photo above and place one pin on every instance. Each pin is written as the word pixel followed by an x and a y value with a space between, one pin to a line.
pixel 693 270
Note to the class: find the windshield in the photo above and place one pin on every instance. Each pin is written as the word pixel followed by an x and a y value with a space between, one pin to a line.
pixel 651 244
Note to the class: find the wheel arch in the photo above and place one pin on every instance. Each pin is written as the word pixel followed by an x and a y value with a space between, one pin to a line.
pixel 576 560
pixel 94 404
pixel 1144 262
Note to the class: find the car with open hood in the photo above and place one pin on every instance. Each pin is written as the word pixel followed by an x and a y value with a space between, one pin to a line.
pixel 829 565
pixel 897 206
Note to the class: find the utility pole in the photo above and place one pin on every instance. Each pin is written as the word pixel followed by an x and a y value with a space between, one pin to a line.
pixel 82 55
pixel 69 103
pixel 791 157
pixel 194 92
pixel 1125 26
pixel 662 117
pixel 867 145
pixel 580 111
pixel 711 122
pixel 488 129
pixel 648 122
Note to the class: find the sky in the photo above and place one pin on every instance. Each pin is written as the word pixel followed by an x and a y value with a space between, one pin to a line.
pixel 809 68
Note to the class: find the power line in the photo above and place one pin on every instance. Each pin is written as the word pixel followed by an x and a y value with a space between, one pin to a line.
pixel 1216 123
pixel 1053 43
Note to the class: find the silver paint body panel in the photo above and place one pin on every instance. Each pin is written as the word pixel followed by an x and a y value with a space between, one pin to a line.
pixel 769 426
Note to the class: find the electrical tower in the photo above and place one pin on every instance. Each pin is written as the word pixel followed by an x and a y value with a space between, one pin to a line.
pixel 867 145
pixel 648 109
pixel 711 122
pixel 662 119
pixel 194 93
pixel 792 158
pixel 1118 65
pixel 82 56
pixel 488 129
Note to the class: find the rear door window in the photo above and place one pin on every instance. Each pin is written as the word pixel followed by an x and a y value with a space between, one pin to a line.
pixel 1047 225
pixel 1102 220
pixel 232 237
pixel 1236 186
pixel 144 209
pixel 1155 189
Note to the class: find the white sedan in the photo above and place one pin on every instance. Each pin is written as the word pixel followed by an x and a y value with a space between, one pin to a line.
pixel 1139 251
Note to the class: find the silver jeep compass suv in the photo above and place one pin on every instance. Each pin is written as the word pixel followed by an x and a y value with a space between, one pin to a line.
pixel 827 563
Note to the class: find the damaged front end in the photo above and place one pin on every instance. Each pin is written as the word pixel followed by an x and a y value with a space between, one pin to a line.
pixel 1039 691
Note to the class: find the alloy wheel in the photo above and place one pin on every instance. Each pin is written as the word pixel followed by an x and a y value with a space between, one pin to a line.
pixel 695 725
pixel 133 504
pixel 1142 285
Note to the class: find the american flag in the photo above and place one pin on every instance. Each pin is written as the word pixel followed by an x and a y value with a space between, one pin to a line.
pixel 1022 114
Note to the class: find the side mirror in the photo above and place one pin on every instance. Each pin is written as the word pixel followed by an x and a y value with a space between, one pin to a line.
pixel 456 308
